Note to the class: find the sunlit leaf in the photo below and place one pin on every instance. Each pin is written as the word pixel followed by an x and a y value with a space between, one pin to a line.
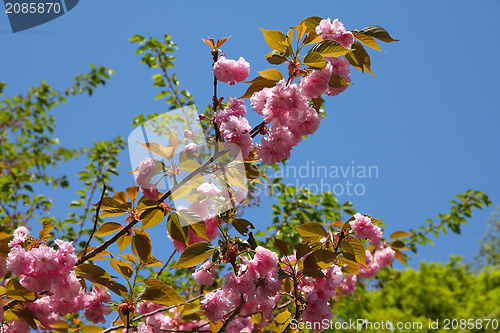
pixel 271 74
pixel 108 228
pixel 274 38
pixel 194 255
pixel 315 60
pixel 311 229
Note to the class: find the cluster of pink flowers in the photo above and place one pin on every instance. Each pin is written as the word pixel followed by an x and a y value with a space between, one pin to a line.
pixel 364 229
pixel 205 274
pixel 340 66
pixel 317 293
pixel 256 284
pixel 234 128
pixel 42 268
pixel 348 284
pixel 287 108
pixel 335 31
pixel 229 71
pixel 209 189
pixel 385 257
pixel 144 176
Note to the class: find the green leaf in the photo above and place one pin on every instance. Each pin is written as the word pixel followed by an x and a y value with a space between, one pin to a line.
pixel 141 246
pixel 347 250
pixel 271 74
pixel 16 291
pixel 311 23
pixel 399 245
pixel 275 57
pixel 274 38
pixel 257 84
pixel 400 234
pixel 122 267
pixel 158 149
pixel 194 255
pixel 282 320
pixel 315 60
pixel 302 250
pixel 337 81
pixel 242 225
pixel 159 292
pixel 379 33
pixel 359 250
pixel 189 165
pixel 123 241
pixel 45 232
pixel 97 275
pixel 152 219
pixel 281 246
pixel 312 37
pixel 91 329
pixel 359 58
pixel 175 230
pixel 330 48
pixel 320 258
pixel 109 203
pixel 311 229
pixel 108 228
pixel 367 40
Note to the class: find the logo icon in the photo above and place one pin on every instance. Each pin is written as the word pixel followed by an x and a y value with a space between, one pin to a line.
pixel 26 14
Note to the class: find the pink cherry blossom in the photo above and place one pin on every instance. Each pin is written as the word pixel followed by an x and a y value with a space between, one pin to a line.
pixel 266 260
pixel 259 100
pixel 316 82
pixel 151 325
pixel 385 257
pixel 144 171
pixel 191 147
pixel 364 229
pixel 205 274
pixel 208 189
pixel 235 108
pixel 188 134
pixel 233 128
pixel 371 269
pixel 147 307
pixel 19 261
pixel 307 125
pixel 315 312
pixel 277 145
pixel 335 31
pixel 339 66
pixel 229 71
pixel 348 284
pixel 96 311
pixel 215 305
pixel 20 235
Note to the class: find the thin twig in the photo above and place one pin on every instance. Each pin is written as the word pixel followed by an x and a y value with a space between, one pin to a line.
pixel 166 308
pixel 95 221
pixel 132 223
pixel 233 315
pixel 165 266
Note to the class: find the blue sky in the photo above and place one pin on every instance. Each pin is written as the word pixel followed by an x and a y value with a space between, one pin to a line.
pixel 427 121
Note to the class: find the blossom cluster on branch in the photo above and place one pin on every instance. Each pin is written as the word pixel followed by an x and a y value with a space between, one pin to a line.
pixel 241 286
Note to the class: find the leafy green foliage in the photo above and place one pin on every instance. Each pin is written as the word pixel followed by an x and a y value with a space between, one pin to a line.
pixel 435 291
pixel 26 129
